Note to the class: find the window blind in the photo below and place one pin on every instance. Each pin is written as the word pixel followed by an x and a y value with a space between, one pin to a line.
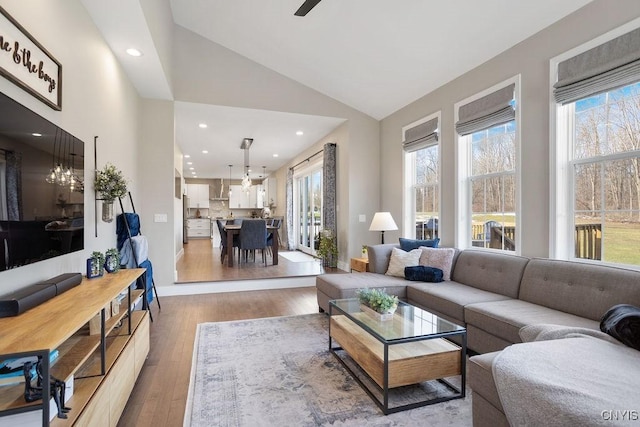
pixel 613 64
pixel 490 110
pixel 420 136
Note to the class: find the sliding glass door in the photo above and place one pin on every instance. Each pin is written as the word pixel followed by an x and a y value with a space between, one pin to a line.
pixel 308 208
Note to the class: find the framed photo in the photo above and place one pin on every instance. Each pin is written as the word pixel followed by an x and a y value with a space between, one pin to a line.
pixel 26 63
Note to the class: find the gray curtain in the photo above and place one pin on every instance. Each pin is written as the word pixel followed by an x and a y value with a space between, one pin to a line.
pixel 289 218
pixel 489 111
pixel 420 136
pixel 14 185
pixel 611 65
pixel 329 189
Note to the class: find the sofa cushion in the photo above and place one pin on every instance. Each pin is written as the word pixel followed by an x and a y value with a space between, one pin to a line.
pixel 494 272
pixel 448 297
pixel 411 244
pixel 579 288
pixel 401 259
pixel 338 286
pixel 379 257
pixel 505 318
pixel 422 273
pixel 481 378
pixel 441 258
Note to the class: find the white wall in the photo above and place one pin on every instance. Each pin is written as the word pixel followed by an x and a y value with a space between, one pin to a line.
pixel 97 99
pixel 529 58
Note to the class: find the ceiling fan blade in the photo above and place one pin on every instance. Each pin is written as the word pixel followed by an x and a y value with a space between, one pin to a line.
pixel 306 7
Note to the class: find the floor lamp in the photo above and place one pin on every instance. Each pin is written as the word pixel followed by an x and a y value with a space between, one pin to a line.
pixel 382 221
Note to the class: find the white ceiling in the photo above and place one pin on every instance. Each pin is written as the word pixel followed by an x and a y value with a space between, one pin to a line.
pixel 373 55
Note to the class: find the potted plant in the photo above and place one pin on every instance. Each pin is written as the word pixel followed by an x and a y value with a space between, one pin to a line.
pixel 328 249
pixel 111 184
pixel 377 303
pixel 95 265
pixel 112 260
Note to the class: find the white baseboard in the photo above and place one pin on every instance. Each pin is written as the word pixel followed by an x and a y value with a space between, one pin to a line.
pixel 235 286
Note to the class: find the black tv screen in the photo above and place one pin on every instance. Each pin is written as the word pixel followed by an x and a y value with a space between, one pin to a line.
pixel 41 188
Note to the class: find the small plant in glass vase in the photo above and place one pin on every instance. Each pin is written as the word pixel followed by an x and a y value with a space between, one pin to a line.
pixel 328 249
pixel 377 303
pixel 111 184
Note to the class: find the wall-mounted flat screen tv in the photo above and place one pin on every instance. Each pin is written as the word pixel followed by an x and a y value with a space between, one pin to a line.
pixel 41 188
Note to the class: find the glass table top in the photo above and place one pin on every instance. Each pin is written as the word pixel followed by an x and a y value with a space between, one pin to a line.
pixel 408 321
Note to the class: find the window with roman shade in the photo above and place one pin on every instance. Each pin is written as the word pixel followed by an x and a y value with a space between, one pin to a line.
pixel 491 110
pixel 610 65
pixel 420 136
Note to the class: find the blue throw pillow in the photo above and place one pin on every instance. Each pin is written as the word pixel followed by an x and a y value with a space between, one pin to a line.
pixel 411 244
pixel 423 273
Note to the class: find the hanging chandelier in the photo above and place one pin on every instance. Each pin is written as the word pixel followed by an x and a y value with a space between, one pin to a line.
pixel 263 191
pixel 246 180
pixel 230 180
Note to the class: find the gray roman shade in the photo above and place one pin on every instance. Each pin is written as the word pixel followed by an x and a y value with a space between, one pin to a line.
pixel 420 136
pixel 609 66
pixel 490 110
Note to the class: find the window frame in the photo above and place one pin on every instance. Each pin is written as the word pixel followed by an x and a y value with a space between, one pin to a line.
pixel 409 181
pixel 561 181
pixel 463 238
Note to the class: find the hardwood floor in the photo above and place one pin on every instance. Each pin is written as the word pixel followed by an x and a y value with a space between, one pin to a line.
pixel 201 263
pixel 160 394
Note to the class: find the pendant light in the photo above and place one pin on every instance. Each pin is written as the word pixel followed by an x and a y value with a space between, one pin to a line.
pixel 230 180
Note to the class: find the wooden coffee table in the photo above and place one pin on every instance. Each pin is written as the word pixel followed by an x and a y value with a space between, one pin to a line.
pixel 409 349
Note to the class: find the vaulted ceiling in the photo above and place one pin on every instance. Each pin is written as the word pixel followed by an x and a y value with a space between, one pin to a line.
pixel 375 56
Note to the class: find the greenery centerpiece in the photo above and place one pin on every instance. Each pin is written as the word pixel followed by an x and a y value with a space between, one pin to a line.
pixel 95 265
pixel 328 248
pixel 378 301
pixel 111 184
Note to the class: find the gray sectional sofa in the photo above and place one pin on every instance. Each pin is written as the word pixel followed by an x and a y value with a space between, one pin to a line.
pixel 495 295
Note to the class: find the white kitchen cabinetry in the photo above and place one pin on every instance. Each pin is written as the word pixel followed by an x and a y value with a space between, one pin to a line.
pixel 270 188
pixel 241 200
pixel 198 196
pixel 199 227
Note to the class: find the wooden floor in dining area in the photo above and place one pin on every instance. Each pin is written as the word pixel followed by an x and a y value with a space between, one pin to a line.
pixel 201 263
pixel 159 396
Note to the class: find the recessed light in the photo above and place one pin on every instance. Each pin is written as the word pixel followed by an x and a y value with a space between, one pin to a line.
pixel 191 169
pixel 189 163
pixel 275 155
pixel 36 134
pixel 186 156
pixel 299 133
pixel 202 125
pixel 193 173
pixel 134 52
pixel 205 152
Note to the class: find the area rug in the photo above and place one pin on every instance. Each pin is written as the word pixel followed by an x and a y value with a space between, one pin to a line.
pixel 296 256
pixel 279 372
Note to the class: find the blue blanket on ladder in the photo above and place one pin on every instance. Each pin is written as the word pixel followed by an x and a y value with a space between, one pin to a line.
pixel 147 264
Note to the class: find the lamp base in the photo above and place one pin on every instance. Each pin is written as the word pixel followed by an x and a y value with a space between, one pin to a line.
pixel 382 235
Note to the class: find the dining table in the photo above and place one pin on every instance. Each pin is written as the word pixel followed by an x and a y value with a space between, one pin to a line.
pixel 233 229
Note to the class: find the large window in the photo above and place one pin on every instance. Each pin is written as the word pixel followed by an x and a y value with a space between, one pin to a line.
pixel 604 149
pixel 597 152
pixel 308 208
pixel 422 172
pixel 488 168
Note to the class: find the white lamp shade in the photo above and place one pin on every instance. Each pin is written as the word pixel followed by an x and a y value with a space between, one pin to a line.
pixel 383 221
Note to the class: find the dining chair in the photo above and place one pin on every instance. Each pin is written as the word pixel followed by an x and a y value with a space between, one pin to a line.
pixel 253 235
pixel 275 222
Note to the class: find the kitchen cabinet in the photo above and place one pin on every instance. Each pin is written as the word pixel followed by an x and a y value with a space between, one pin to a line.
pixel 270 188
pixel 246 200
pixel 198 196
pixel 199 227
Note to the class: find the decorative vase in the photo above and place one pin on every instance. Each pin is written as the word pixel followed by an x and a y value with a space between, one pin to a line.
pixel 107 210
pixel 112 263
pixel 379 316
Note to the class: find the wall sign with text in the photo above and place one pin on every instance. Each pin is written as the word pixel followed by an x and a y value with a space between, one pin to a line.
pixel 27 64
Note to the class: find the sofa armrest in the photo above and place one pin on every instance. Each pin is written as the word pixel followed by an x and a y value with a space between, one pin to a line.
pixel 379 256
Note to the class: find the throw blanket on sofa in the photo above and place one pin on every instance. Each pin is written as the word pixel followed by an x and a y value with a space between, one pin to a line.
pixel 570 381
pixel 622 322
